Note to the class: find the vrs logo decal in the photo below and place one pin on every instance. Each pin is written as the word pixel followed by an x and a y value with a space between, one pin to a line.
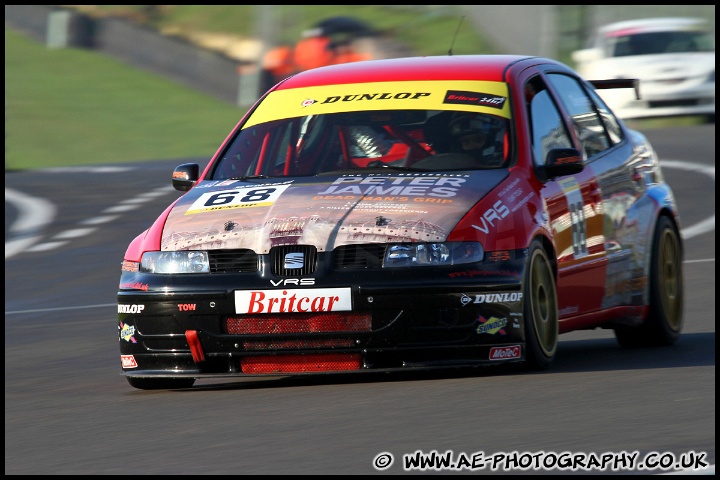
pixel 491 215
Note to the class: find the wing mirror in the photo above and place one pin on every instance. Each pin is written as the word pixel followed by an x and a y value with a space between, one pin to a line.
pixel 185 176
pixel 563 161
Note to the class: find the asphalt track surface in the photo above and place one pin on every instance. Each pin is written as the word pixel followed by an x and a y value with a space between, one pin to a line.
pixel 68 411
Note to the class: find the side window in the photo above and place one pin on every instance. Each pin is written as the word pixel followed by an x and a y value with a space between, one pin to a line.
pixel 611 122
pixel 546 125
pixel 586 120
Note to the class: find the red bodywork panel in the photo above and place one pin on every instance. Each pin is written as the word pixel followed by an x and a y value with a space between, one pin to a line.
pixel 410 69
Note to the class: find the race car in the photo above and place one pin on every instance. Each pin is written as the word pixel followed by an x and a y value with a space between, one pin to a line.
pixel 673 59
pixel 409 213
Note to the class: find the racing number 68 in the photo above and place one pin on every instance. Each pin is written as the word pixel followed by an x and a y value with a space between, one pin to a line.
pixel 237 198
pixel 251 196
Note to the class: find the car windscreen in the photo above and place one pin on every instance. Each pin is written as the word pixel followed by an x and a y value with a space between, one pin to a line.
pixel 422 140
pixel 653 43
pixel 423 125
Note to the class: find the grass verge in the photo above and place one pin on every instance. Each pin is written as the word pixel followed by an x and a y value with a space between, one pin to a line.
pixel 76 107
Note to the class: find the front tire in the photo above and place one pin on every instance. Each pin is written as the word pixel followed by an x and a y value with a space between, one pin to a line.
pixel 540 310
pixel 664 320
pixel 145 383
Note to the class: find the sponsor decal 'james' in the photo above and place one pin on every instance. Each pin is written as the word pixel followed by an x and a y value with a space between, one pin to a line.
pixel 403 186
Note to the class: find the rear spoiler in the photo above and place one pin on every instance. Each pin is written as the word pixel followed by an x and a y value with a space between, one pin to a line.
pixel 633 83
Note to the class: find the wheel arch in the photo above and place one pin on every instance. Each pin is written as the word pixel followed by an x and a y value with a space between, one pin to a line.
pixel 550 250
pixel 667 212
pixel 647 258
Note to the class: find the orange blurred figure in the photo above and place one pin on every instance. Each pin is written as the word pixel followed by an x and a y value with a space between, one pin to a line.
pixel 279 61
pixel 346 53
pixel 313 50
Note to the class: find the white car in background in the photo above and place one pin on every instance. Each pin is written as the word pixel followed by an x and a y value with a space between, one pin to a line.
pixel 673 59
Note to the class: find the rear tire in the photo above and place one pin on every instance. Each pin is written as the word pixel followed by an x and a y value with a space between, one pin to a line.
pixel 664 320
pixel 145 383
pixel 540 310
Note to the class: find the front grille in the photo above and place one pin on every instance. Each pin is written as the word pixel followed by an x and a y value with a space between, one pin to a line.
pixel 298 323
pixel 297 344
pixel 359 256
pixel 346 257
pixel 293 260
pixel 231 261
pixel 325 362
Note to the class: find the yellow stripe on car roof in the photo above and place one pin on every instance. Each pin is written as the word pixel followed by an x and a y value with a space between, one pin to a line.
pixel 416 95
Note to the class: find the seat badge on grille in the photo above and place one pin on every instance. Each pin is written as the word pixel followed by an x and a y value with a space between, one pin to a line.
pixel 294 260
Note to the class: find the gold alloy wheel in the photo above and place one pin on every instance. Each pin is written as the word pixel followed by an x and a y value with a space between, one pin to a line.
pixel 670 278
pixel 543 303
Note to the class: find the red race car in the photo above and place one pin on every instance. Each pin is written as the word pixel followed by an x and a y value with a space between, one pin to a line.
pixel 406 213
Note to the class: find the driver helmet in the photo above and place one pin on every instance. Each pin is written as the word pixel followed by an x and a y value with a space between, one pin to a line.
pixel 467 124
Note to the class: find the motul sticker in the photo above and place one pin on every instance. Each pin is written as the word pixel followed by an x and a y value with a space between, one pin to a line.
pixel 292 301
pixel 504 353
pixel 128 361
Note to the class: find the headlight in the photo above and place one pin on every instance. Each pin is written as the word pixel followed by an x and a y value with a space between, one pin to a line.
pixel 432 254
pixel 175 262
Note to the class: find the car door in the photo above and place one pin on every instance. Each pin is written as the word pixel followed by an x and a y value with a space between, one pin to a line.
pixel 624 171
pixel 563 118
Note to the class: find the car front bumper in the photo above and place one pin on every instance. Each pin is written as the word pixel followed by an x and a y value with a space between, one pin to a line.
pixel 187 325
